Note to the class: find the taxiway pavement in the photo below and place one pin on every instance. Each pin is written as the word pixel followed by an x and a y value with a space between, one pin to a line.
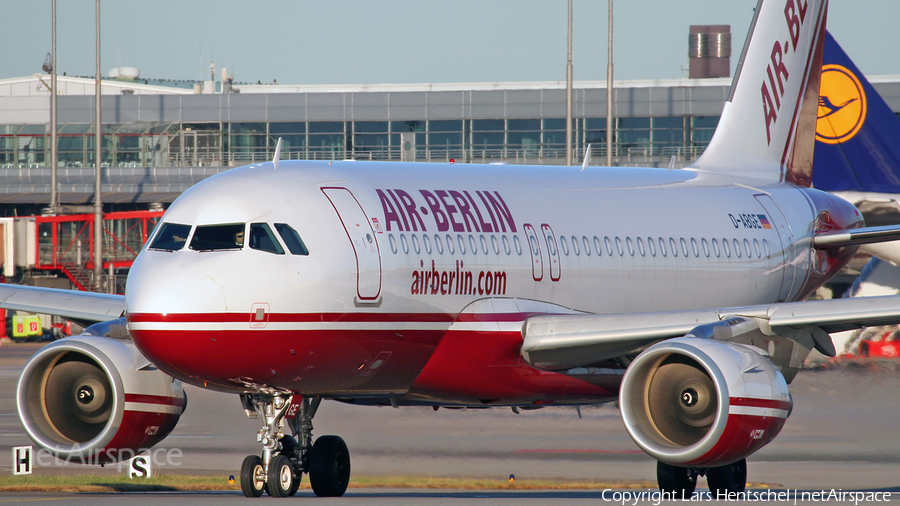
pixel 841 435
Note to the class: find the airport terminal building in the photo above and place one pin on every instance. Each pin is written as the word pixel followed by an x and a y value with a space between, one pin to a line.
pixel 170 125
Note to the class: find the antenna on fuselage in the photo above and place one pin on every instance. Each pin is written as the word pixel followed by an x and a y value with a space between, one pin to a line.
pixel 277 157
pixel 672 163
pixel 587 158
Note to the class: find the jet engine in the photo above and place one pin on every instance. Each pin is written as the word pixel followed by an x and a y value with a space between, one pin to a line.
pixel 693 402
pixel 95 399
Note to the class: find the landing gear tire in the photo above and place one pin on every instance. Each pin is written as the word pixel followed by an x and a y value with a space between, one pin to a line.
pixel 329 467
pixel 281 479
pixel 727 479
pixel 289 450
pixel 679 481
pixel 252 476
pixel 296 486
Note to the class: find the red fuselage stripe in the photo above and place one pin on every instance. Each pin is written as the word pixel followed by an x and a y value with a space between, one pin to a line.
pixel 328 317
pixel 154 399
pixel 760 403
pixel 290 317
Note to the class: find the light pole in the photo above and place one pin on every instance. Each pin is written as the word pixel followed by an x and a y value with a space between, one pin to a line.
pixel 98 157
pixel 54 155
pixel 569 93
pixel 609 91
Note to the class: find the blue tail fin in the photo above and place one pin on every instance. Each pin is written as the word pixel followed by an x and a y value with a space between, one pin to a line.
pixel 857 134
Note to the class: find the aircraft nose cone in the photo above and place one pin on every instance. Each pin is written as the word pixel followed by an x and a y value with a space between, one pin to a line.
pixel 170 285
pixel 164 294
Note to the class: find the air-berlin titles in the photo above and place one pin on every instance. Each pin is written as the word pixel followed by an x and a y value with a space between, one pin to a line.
pixel 449 210
pixel 795 15
pixel 459 211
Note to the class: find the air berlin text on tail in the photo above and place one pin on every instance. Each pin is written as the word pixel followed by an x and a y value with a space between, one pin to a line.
pixel 795 16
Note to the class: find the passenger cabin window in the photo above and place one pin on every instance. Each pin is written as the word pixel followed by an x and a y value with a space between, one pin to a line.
pixel 218 237
pixel 438 245
pixel 292 239
pixel 262 238
pixel 171 237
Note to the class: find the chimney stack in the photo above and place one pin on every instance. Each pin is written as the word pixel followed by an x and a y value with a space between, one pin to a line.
pixel 709 50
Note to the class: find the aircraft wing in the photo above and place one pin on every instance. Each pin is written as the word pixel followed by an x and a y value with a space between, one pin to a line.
pixel 562 342
pixel 77 306
pixel 857 236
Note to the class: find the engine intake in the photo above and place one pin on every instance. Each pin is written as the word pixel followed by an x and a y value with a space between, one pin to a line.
pixel 95 399
pixel 702 403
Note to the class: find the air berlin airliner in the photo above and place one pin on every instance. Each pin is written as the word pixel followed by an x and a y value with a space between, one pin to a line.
pixel 675 292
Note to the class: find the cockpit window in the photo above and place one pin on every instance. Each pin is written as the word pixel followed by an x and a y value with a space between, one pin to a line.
pixel 218 237
pixel 171 237
pixel 291 239
pixel 262 238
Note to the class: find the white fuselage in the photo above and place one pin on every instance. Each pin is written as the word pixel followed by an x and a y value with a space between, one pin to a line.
pixel 430 239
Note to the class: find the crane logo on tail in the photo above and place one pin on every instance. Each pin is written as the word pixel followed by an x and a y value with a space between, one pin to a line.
pixel 842 105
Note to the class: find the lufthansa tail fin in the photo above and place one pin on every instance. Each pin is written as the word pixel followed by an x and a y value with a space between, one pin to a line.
pixel 857 134
pixel 767 128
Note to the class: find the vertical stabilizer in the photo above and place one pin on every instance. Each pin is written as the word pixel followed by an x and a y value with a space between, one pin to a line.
pixel 857 134
pixel 768 126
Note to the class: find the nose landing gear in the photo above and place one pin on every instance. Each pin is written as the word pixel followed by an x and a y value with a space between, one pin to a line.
pixel 284 458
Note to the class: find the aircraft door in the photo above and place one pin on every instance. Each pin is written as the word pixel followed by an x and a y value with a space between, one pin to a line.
pixel 786 236
pixel 537 263
pixel 552 252
pixel 362 238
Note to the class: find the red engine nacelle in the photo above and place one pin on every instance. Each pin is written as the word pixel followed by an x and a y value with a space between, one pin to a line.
pixel 95 399
pixel 701 403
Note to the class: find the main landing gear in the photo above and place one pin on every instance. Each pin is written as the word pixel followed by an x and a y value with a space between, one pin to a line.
pixel 681 481
pixel 285 458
